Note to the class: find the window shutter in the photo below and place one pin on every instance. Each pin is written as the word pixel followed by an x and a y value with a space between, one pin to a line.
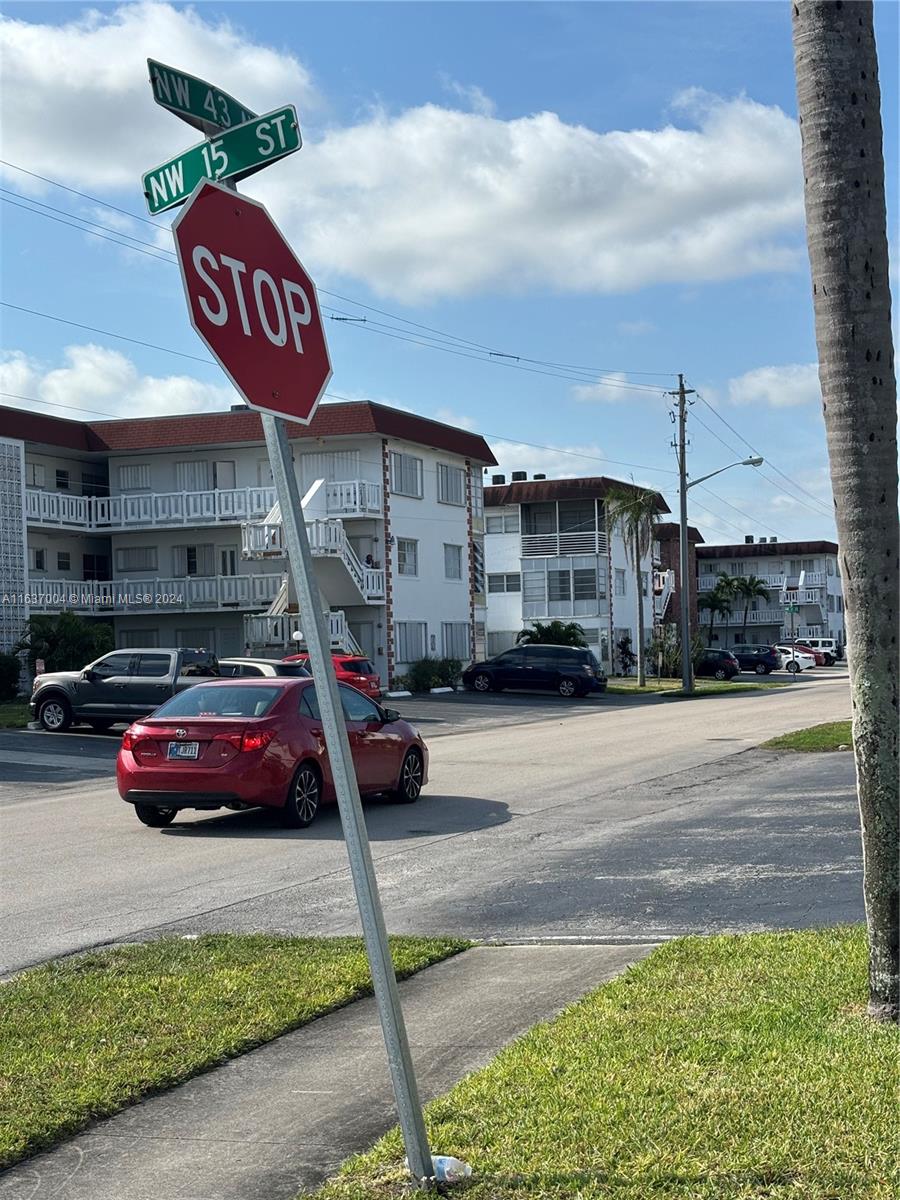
pixel 179 561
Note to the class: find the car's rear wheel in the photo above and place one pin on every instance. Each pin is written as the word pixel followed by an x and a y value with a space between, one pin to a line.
pixel 482 682
pixel 793 666
pixel 567 687
pixel 55 714
pixel 762 669
pixel 412 773
pixel 303 798
pixel 156 818
pixel 721 673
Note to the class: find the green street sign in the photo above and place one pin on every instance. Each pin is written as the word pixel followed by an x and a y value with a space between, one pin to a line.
pixel 792 608
pixel 234 155
pixel 207 108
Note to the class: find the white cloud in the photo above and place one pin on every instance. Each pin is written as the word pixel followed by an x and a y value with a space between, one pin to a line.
pixel 607 390
pixel 431 201
pixel 95 381
pixel 777 387
pixel 476 99
pixel 77 103
pixel 450 416
pixel 563 462
pixel 635 328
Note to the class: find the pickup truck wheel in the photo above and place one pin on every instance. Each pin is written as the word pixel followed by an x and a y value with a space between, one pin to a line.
pixel 55 714
pixel 157 818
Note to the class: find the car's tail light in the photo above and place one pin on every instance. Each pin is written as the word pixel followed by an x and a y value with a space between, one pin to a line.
pixel 250 739
pixel 128 740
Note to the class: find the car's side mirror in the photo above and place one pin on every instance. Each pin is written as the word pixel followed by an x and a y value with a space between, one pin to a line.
pixel 390 715
pixel 89 674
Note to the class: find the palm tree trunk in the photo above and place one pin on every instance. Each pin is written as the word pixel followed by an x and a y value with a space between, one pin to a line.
pixel 744 626
pixel 712 617
pixel 839 103
pixel 641 669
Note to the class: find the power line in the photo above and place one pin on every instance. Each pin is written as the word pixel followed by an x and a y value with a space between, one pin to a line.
pixel 83 229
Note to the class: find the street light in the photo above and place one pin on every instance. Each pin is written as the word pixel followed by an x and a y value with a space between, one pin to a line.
pixel 687 672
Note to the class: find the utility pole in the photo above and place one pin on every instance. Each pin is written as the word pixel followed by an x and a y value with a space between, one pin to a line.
pixel 687 672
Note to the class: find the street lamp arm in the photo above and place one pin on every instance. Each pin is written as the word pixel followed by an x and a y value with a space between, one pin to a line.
pixel 744 462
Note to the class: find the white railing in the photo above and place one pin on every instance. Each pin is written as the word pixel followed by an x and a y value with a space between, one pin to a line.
pixel 269 631
pixel 552 545
pixel 763 616
pixel 153 595
pixel 147 509
pixel 663 587
pixel 706 583
pixel 353 497
pixel 327 539
pixel 803 631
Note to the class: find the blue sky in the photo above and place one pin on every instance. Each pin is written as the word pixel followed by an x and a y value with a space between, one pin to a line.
pixel 614 186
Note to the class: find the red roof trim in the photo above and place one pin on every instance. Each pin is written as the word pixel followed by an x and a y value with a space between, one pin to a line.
pixel 535 491
pixel 765 549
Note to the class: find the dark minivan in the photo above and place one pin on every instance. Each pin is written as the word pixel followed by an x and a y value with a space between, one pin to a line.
pixel 569 670
pixel 761 659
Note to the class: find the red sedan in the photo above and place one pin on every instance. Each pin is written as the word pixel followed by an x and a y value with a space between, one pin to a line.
pixel 817 654
pixel 247 743
pixel 348 668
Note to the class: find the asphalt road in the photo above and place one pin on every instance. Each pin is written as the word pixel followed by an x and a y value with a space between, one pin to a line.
pixel 543 818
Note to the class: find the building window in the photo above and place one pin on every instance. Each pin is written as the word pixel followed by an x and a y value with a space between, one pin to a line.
pixel 559 585
pixel 406 475
pixel 192 475
pixel 601 583
pixel 477 485
pixel 451 484
pixel 62 480
pixel 455 640
pixel 135 477
pixel 93 485
pixel 498 642
pixel 538 518
pixel 478 576
pixel 643 583
pixel 129 638
pixel 37 559
pixel 452 562
pixel 503 522
pixel 620 581
pixel 136 558
pixel 534 587
pixel 585 580
pixel 193 560
pixel 94 566
pixel 577 516
pixel 35 475
pixel 505 583
pixel 224 476
pixel 407 557
pixel 63 560
pixel 228 560
pixel 410 637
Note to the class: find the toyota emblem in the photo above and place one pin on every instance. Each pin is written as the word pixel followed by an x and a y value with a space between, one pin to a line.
pixel 181 733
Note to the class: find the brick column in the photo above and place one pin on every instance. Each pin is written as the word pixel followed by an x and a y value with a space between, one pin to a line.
pixel 471 549
pixel 388 577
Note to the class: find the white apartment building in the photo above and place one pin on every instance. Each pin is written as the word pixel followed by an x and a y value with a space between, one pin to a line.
pixel 549 556
pixel 819 603
pixel 167 528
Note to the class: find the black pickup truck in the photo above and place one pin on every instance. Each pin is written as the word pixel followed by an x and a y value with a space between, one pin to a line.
pixel 121 686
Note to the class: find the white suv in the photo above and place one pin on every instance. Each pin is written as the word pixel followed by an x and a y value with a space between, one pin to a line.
pixel 828 646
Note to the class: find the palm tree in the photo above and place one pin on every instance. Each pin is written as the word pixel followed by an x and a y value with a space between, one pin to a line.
pixel 749 588
pixel 839 104
pixel 553 633
pixel 718 602
pixel 635 512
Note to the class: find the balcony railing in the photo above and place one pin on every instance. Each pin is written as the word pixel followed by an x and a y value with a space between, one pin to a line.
pixel 763 616
pixel 278 631
pixel 327 539
pixel 153 595
pixel 353 497
pixel 555 545
pixel 162 509
pixel 812 579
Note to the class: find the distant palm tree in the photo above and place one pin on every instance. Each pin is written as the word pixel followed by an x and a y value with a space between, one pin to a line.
pixel 635 513
pixel 553 633
pixel 749 588
pixel 718 604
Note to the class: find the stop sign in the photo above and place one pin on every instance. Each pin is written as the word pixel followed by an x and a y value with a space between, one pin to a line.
pixel 252 302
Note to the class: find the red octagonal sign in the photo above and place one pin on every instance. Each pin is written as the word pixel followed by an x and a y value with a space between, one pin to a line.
pixel 252 302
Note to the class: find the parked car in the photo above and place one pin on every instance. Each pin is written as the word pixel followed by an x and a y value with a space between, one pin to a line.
pixel 349 668
pixel 830 647
pixel 569 670
pixel 120 686
pixel 761 659
pixel 795 659
pixel 248 743
pixel 817 654
pixel 256 668
pixel 720 664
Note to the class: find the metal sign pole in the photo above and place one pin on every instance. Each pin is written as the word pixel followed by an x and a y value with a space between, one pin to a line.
pixel 318 642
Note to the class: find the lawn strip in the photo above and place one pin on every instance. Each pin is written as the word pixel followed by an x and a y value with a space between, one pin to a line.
pixel 829 736
pixel 14 715
pixel 629 687
pixel 721 1068
pixel 85 1036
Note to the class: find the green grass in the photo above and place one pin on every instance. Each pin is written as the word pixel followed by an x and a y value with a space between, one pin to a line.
pixel 702 687
pixel 722 1068
pixel 817 737
pixel 14 715
pixel 86 1036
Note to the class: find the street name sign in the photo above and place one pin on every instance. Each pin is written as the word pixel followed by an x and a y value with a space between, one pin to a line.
pixel 194 100
pixel 252 302
pixel 235 154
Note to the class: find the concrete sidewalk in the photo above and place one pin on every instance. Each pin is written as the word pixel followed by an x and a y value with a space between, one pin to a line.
pixel 282 1118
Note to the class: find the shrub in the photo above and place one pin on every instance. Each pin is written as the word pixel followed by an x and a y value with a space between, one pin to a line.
pixel 67 642
pixel 427 673
pixel 10 668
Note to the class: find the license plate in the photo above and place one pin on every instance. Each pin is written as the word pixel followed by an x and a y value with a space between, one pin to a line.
pixel 183 749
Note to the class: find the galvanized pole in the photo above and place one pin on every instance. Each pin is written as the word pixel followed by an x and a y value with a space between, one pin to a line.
pixel 409 1106
pixel 687 671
